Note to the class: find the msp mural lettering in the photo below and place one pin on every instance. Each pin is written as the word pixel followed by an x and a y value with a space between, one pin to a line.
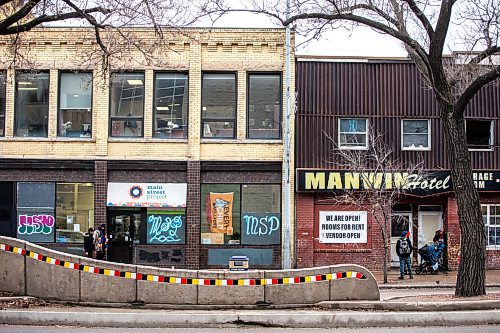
pixel 36 228
pixel 261 228
pixel 165 228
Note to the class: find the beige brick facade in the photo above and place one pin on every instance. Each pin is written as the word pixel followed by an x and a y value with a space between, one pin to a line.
pixel 194 51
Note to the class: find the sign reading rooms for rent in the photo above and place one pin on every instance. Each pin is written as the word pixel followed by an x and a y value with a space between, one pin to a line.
pixel 343 227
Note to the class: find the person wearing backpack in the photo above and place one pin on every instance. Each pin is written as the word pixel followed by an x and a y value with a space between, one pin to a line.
pixel 404 250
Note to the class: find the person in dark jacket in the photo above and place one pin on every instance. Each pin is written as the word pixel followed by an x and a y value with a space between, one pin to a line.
pixel 88 243
pixel 404 250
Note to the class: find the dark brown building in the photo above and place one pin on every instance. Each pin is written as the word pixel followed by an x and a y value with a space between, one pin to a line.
pixel 339 101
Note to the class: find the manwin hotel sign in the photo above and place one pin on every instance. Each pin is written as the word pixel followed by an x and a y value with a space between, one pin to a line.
pixel 426 183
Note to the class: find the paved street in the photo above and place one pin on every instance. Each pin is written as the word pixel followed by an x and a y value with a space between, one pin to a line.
pixel 462 329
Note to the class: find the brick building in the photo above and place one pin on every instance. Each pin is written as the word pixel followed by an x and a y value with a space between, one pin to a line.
pixel 177 150
pixel 343 99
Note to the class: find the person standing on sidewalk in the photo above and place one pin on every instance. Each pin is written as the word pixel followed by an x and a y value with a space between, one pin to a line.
pixel 100 242
pixel 404 250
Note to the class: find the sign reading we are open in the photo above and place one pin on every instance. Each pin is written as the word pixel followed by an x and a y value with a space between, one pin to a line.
pixel 342 227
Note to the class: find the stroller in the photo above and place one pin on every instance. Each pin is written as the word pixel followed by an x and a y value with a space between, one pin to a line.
pixel 431 258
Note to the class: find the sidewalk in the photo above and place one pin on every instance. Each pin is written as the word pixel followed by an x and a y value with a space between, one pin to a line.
pixel 440 280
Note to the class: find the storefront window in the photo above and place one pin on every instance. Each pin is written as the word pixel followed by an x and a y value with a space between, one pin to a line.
pixel 75 105
pixel 32 104
pixel 166 227
pixel 170 105
pixel 235 214
pixel 35 212
pixel 264 106
pixel 220 214
pixel 127 105
pixel 74 211
pixel 491 218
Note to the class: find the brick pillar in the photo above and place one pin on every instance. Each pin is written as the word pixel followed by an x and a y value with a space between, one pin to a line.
pixel 452 228
pixel 305 230
pixel 193 215
pixel 100 192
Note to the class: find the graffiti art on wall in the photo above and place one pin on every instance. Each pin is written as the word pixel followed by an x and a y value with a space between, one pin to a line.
pixel 261 228
pixel 166 228
pixel 36 228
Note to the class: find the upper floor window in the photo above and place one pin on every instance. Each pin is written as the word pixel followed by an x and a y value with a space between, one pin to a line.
pixel 32 105
pixel 170 105
pixel 491 218
pixel 353 133
pixel 2 104
pixel 416 134
pixel 218 100
pixel 264 106
pixel 479 134
pixel 127 105
pixel 75 105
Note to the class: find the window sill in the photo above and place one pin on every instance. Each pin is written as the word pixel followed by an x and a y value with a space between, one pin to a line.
pixel 415 149
pixel 493 248
pixel 144 140
pixel 39 139
pixel 472 149
pixel 245 141
pixel 353 148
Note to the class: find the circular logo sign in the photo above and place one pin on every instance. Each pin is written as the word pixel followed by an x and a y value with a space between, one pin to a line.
pixel 135 192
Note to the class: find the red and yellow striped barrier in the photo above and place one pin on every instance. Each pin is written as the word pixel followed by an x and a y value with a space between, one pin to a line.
pixel 183 281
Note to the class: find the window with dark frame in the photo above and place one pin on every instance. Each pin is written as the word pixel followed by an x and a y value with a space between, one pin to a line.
pixel 416 134
pixel 218 100
pixel 264 106
pixel 75 105
pixel 240 214
pixel 479 134
pixel 2 104
pixel 32 105
pixel 127 105
pixel 491 219
pixel 353 133
pixel 170 105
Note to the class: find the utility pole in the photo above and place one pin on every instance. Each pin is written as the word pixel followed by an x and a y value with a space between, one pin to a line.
pixel 287 264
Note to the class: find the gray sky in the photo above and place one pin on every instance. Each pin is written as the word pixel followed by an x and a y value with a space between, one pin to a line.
pixel 362 42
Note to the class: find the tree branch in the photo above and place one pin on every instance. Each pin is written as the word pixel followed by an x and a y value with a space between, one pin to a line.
pixel 443 23
pixel 52 18
pixel 474 87
pixel 19 15
pixel 421 17
pixel 485 54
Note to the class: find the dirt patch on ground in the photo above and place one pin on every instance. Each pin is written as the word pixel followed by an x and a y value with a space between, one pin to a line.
pixel 449 298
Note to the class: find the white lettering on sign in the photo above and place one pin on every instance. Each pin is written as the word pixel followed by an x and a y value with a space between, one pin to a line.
pixel 343 227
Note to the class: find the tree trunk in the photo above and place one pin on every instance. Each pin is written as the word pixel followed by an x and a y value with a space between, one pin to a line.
pixel 472 270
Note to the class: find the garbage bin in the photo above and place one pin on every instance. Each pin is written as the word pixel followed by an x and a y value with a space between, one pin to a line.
pixel 238 263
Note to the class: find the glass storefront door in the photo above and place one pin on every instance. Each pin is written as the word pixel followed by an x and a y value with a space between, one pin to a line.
pixel 123 229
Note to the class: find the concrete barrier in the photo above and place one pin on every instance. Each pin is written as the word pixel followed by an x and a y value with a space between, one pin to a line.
pixel 12 268
pixel 166 293
pixel 48 281
pixel 297 293
pixel 32 270
pixel 233 294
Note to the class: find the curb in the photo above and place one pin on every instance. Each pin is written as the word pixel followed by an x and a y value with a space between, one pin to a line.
pixel 412 306
pixel 292 319
pixel 427 286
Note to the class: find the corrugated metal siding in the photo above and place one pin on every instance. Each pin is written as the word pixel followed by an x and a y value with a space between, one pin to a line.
pixel 385 93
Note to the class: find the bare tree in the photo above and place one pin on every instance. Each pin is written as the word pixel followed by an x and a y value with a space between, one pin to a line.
pixel 425 28
pixel 383 178
pixel 110 20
